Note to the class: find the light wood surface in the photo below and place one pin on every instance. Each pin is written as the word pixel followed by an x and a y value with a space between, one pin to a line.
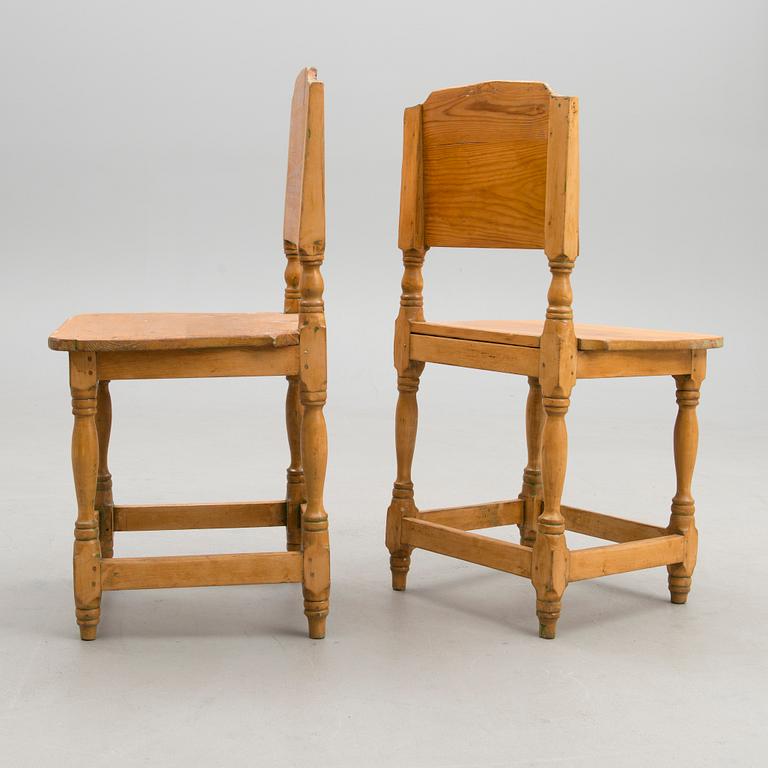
pixel 199 363
pixel 200 570
pixel 527 333
pixel 594 562
pixel 475 516
pixel 497 165
pixel 607 526
pixel 114 347
pixel 472 547
pixel 85 463
pixel 482 355
pixel 104 502
pixel 180 517
pixel 485 165
pixel 175 331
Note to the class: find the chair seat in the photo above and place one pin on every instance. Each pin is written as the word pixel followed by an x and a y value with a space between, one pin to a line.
pixel 169 331
pixel 527 333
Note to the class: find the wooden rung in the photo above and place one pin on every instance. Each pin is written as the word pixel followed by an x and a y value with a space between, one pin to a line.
pixel 608 527
pixel 629 556
pixel 178 517
pixel 472 547
pixel 200 570
pixel 472 518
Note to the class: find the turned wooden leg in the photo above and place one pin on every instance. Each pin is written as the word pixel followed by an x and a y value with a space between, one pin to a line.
pixel 317 566
pixel 406 424
pixel 294 496
pixel 532 487
pixel 686 440
pixel 85 463
pixel 104 502
pixel 550 553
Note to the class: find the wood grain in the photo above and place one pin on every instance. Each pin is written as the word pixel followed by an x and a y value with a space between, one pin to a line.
pixel 178 517
pixel 199 363
pixel 485 165
pixel 483 355
pixel 608 527
pixel 630 556
pixel 527 333
pixel 147 331
pixel 475 516
pixel 471 547
pixel 497 165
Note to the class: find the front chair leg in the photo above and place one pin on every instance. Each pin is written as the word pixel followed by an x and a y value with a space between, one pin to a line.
pixel 681 521
pixel 550 553
pixel 314 524
pixel 85 463
pixel 104 502
pixel 406 424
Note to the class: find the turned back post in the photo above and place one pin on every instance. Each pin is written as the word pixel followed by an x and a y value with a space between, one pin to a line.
pixel 304 215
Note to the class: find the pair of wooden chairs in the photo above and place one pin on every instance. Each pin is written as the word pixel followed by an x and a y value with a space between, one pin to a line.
pixel 493 165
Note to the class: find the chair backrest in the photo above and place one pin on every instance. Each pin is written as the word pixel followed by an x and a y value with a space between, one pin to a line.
pixel 491 165
pixel 494 165
pixel 304 218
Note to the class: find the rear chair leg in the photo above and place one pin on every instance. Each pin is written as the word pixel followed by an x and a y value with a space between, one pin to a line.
pixel 85 463
pixel 681 521
pixel 532 487
pixel 406 424
pixel 550 553
pixel 104 502
pixel 295 493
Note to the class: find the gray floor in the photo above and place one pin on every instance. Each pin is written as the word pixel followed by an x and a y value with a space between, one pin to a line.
pixel 451 673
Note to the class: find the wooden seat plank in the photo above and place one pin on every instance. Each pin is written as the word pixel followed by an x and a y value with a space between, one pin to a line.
pixel 147 331
pixel 527 333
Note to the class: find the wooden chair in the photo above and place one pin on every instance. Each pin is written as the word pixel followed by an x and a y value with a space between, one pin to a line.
pixel 495 165
pixel 110 347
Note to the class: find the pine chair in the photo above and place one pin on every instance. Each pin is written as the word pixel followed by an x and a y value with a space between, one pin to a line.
pixel 495 165
pixel 110 347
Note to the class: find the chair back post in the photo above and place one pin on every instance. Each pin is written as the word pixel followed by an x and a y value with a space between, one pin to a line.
pixel 300 204
pixel 411 235
pixel 561 245
pixel 310 239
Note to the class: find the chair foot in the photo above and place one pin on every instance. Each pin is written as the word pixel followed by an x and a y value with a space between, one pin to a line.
pixel 88 621
pixel 399 564
pixel 548 614
pixel 679 587
pixel 88 633
pixel 316 613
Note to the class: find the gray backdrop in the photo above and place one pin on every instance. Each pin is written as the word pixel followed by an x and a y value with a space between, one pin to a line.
pixel 142 148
